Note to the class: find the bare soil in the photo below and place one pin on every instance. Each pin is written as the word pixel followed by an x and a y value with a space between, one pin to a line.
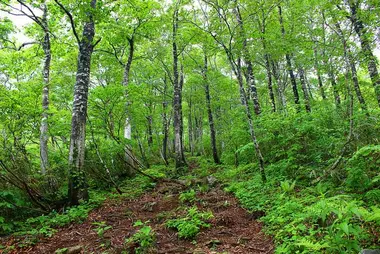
pixel 232 230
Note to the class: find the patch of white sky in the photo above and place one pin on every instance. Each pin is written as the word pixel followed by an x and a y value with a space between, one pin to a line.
pixel 20 21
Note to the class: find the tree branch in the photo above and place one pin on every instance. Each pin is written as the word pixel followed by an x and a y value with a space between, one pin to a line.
pixel 71 20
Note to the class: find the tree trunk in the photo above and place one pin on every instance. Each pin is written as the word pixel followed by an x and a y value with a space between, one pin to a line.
pixel 356 82
pixel 129 157
pixel 150 132
pixel 327 63
pixel 236 68
pixel 44 159
pixel 177 101
pixel 77 179
pixel 268 68
pixel 190 128
pixel 316 66
pixel 181 82
pixel 333 84
pixel 304 89
pixel 250 77
pixel 289 64
pixel 142 151
pixel 250 121
pixel 209 112
pixel 165 125
pixel 270 86
pixel 280 85
pixel 366 47
pixel 350 64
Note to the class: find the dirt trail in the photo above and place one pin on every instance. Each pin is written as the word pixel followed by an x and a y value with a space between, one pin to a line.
pixel 232 229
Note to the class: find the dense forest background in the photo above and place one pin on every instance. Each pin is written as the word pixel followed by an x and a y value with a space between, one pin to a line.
pixel 280 98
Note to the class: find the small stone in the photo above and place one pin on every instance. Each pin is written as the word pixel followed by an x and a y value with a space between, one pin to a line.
pixel 366 251
pixel 70 250
pixel 198 251
pixel 149 206
pixel 213 242
pixel 211 180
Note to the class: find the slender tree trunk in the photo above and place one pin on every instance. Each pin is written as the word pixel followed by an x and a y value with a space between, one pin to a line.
pixel 190 126
pixel 289 64
pixel 129 157
pixel 366 47
pixel 77 179
pixel 236 68
pixel 268 68
pixel 150 131
pixel 209 112
pixel 316 66
pixel 165 127
pixel 304 89
pixel 198 133
pixel 356 82
pixel 165 124
pixel 250 77
pixel 142 151
pixel 177 101
pixel 293 80
pixel 181 82
pixel 250 121
pixel 333 84
pixel 351 65
pixel 270 86
pixel 44 159
pixel 280 85
pixel 327 63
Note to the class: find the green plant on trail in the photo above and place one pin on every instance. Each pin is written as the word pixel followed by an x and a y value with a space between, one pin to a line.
pixel 144 238
pixel 61 251
pixel 189 226
pixel 188 196
pixel 101 228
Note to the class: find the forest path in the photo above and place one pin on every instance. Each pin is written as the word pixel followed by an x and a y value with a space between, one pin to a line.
pixel 232 230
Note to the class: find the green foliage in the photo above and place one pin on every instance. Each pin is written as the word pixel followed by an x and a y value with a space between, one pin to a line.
pixel 363 169
pixel 315 219
pixel 372 197
pixel 4 226
pixel 46 224
pixel 144 237
pixel 188 196
pixel 287 187
pixel 189 226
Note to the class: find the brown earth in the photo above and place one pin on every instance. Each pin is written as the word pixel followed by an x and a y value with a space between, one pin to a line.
pixel 232 229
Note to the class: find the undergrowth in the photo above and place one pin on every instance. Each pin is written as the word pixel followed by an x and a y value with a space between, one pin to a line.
pixel 303 218
pixel 46 225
